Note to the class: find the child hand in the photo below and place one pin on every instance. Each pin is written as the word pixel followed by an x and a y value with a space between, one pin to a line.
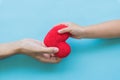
pixel 75 30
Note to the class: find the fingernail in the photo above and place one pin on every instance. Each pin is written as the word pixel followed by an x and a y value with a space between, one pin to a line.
pixel 59 31
pixel 56 50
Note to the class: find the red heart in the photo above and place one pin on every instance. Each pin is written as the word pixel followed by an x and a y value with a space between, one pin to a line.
pixel 54 39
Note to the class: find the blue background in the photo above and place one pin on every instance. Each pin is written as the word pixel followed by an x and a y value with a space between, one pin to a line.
pixel 90 59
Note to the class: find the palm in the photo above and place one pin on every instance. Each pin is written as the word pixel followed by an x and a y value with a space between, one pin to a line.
pixel 33 47
pixel 48 58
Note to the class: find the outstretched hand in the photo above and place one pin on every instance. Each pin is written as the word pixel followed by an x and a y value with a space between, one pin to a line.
pixel 39 51
pixel 75 30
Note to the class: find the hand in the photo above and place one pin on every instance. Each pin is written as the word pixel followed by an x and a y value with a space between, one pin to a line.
pixel 38 50
pixel 75 30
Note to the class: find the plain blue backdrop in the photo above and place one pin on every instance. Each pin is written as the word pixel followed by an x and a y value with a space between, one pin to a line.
pixel 90 59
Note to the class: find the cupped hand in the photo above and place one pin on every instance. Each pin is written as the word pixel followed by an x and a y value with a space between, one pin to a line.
pixel 38 50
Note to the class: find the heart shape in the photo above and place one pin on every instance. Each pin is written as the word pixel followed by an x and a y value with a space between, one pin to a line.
pixel 54 39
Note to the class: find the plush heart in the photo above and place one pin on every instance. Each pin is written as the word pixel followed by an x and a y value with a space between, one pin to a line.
pixel 54 39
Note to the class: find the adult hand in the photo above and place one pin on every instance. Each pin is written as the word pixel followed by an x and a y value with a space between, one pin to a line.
pixel 38 50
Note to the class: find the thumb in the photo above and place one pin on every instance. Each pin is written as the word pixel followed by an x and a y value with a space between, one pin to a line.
pixel 50 50
pixel 64 30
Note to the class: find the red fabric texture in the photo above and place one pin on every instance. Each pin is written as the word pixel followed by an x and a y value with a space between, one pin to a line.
pixel 54 39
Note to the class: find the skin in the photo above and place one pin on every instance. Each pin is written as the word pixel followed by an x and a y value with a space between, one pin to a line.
pixel 39 51
pixel 110 29
pixel 30 47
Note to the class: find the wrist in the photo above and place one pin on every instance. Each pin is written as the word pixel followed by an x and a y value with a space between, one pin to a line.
pixel 87 32
pixel 16 47
pixel 82 32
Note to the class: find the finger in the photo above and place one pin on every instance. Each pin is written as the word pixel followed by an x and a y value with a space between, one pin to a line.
pixel 46 55
pixel 64 30
pixel 55 60
pixel 53 55
pixel 49 60
pixel 49 50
